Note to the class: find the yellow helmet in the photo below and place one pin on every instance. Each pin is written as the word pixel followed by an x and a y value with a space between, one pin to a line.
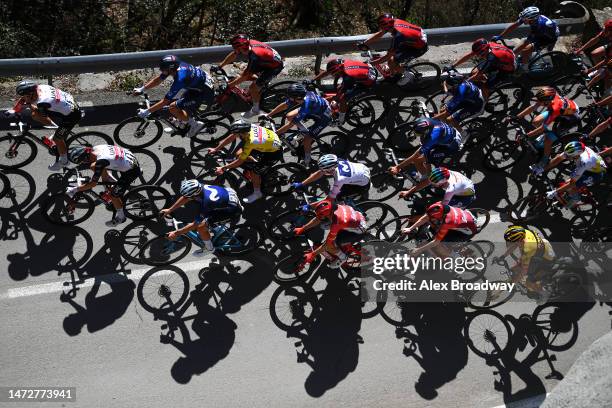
pixel 514 233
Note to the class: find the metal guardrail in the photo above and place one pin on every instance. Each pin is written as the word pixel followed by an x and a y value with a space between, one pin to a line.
pixel 290 48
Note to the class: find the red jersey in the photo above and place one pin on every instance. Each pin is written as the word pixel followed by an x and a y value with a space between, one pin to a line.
pixel 357 71
pixel 457 219
pixel 262 56
pixel 412 35
pixel 345 218
pixel 505 60
pixel 560 106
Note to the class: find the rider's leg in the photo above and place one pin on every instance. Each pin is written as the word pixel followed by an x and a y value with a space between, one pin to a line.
pixel 395 68
pixel 307 148
pixel 525 49
pixel 422 166
pixel 204 234
pixel 178 113
pixel 255 91
pixel 598 54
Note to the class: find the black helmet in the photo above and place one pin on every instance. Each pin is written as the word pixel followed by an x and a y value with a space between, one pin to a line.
pixel 77 154
pixel 26 87
pixel 240 126
pixel 296 91
pixel 453 80
pixel 169 62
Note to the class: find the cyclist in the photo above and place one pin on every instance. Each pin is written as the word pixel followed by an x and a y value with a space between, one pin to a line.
pixel 544 33
pixel 357 78
pixel 260 149
pixel 101 159
pixel 604 51
pixel 602 71
pixel 409 42
pixel 536 257
pixel 305 105
pixel 556 107
pixel 450 224
pixel 466 102
pixel 438 141
pixel 459 191
pixel 264 64
pixel 499 63
pixel 216 204
pixel 198 88
pixel 590 170
pixel 347 226
pixel 349 178
pixel 605 124
pixel 50 106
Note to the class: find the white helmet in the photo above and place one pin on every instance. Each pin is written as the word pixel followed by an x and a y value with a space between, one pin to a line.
pixel 328 161
pixel 190 188
pixel 529 13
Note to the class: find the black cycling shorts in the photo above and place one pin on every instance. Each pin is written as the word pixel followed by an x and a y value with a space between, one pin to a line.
pixel 264 161
pixel 66 124
pixel 125 180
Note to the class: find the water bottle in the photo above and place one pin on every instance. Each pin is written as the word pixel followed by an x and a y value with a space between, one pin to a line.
pixel 106 197
pixel 48 142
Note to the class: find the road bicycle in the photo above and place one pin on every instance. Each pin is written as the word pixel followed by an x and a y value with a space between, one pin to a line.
pixel 140 203
pixel 19 150
pixel 227 237
pixel 136 132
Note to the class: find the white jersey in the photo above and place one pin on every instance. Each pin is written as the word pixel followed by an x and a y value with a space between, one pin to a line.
pixel 54 100
pixel 458 185
pixel 347 172
pixel 588 161
pixel 119 159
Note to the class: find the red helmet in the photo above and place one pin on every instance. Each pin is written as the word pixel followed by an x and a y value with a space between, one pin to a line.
pixel 437 211
pixel 386 21
pixel 608 25
pixel 323 208
pixel 334 65
pixel 480 46
pixel 239 41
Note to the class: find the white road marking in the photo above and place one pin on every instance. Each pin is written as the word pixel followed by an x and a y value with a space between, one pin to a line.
pixel 86 104
pixel 533 402
pixel 59 286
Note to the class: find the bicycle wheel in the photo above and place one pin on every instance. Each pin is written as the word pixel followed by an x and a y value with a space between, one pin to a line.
pixel 277 181
pixel 293 307
pixel 571 86
pixel 393 308
pixel 216 127
pixel 563 285
pixel 16 152
pixel 272 97
pixel 237 239
pixel 375 213
pixel 163 290
pixel 498 102
pixel 161 251
pixel 476 131
pixel 528 208
pixel 5 185
pixel 426 74
pixel 145 202
pixel 282 226
pixel 384 185
pixel 334 142
pixel 390 230
pixel 89 139
pixel 471 250
pixel 292 268
pixel 547 65
pixel 136 132
pixel 136 235
pixel 365 110
pixel 20 189
pixel 559 330
pixel 63 210
pixel 403 138
pixel 487 333
pixel 503 155
pixel 488 299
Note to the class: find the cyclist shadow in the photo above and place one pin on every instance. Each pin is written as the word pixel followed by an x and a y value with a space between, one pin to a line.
pixel 101 307
pixel 440 350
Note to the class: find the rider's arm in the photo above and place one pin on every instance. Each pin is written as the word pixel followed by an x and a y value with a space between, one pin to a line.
pixel 320 75
pixel 231 57
pixel 511 28
pixel 179 203
pixel 417 187
pixel 538 130
pixel 39 114
pixel 600 127
pixel 555 162
pixel 590 43
pixel 374 37
pixel 160 104
pixel 528 110
pixel 229 139
pixel 421 221
pixel 244 76
pixel 281 107
pixel 463 59
pixel 430 245
pixel 313 177
pixel 605 101
pixel 236 163
pixel 189 227
pixel 409 160
pixel 99 169
pixel 153 82
pixel 311 224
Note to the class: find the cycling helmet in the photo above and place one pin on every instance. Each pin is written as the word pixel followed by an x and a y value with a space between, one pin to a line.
pixel 573 149
pixel 240 41
pixel 296 91
pixel 422 125
pixel 529 13
pixel 169 62
pixel 328 161
pixel 26 88
pixel 437 211
pixel 322 208
pixel 190 188
pixel 334 65
pixel 453 80
pixel 480 46
pixel 608 25
pixel 78 154
pixel 546 94
pixel 386 21
pixel 514 233
pixel 439 174
pixel 240 126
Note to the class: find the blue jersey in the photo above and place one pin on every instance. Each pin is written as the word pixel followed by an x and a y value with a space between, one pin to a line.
pixel 466 93
pixel 216 198
pixel 187 77
pixel 313 107
pixel 544 27
pixel 442 134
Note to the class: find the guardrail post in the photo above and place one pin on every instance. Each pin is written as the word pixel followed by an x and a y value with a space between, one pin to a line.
pixel 50 80
pixel 318 60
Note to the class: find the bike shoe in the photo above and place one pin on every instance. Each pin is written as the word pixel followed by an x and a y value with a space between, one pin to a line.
pixel 58 165
pixel 115 221
pixel 253 197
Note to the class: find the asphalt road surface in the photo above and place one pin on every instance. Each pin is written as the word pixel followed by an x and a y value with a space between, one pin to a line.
pixel 72 317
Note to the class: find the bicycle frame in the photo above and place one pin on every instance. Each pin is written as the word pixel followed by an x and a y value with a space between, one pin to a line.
pixel 161 115
pixel 24 131
pixel 218 232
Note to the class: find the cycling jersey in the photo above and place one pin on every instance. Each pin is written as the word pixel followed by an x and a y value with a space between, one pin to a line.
pixel 313 107
pixel 260 139
pixel 262 57
pixel 215 199
pixel 535 245
pixel 500 58
pixel 188 77
pixel 345 218
pixel 560 106
pixel 543 27
pixel 115 158
pixel 458 185
pixel 457 220
pixel 349 173
pixel 406 35
pixel 588 161
pixel 442 134
pixel 54 102
pixel 465 94
pixel 357 72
